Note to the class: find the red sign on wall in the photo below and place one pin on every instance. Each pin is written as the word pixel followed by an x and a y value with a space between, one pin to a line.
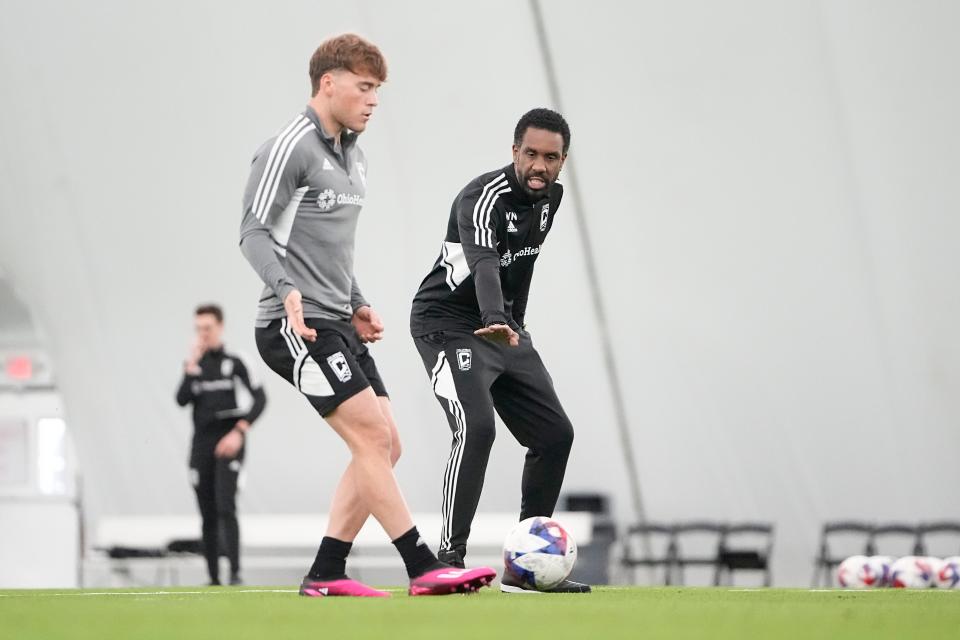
pixel 19 368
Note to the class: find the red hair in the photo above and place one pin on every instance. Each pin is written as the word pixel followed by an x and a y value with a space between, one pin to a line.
pixel 348 51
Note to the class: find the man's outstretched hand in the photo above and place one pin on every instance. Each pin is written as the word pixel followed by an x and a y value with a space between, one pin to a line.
pixel 368 324
pixel 500 333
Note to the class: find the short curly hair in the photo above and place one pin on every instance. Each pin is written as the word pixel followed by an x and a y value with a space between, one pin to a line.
pixel 347 51
pixel 542 119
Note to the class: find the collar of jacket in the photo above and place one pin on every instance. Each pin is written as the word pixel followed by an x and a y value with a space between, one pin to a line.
pixel 347 138
pixel 214 353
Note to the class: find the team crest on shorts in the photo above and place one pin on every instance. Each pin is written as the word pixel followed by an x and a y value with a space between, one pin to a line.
pixel 464 359
pixel 340 367
pixel 544 216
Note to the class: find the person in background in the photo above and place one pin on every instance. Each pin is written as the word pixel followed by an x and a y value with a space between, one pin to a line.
pixel 226 401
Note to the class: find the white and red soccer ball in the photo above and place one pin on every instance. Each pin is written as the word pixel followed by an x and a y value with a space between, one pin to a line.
pixel 912 572
pixel 881 567
pixel 539 552
pixel 947 573
pixel 861 572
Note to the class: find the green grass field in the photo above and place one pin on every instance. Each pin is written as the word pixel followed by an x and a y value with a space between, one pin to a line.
pixel 249 612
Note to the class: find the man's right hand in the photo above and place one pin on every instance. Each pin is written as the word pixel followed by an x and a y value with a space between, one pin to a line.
pixel 500 333
pixel 293 304
pixel 192 364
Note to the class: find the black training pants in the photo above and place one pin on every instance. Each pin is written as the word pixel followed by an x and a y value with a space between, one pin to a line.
pixel 473 377
pixel 215 483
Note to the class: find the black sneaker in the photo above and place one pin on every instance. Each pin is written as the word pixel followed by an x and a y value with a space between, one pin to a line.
pixel 508 585
pixel 235 579
pixel 452 557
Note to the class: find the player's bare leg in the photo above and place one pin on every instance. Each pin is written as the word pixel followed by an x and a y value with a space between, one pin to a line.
pixel 362 424
pixel 348 512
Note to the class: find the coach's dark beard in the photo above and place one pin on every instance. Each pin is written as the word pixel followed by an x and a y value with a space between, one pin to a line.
pixel 538 193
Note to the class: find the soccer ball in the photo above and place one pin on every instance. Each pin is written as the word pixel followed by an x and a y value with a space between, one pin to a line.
pixel 948 573
pixel 858 572
pixel 539 553
pixel 911 572
pixel 880 565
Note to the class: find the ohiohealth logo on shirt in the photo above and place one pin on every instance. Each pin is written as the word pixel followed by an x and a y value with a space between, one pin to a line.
pixel 328 197
pixel 508 258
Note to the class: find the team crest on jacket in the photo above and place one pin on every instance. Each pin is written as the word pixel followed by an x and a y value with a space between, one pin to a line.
pixel 544 216
pixel 464 359
pixel 363 173
pixel 226 368
pixel 340 367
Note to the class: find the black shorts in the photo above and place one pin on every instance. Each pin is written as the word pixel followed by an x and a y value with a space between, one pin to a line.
pixel 334 368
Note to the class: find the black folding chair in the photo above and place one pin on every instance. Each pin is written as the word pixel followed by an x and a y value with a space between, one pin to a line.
pixel 656 537
pixel 686 535
pixel 734 557
pixel 828 559
pixel 930 538
pixel 883 535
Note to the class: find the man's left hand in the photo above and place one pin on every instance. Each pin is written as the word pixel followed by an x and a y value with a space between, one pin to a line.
pixel 368 324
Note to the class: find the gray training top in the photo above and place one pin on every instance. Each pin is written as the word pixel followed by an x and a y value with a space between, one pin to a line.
pixel 300 212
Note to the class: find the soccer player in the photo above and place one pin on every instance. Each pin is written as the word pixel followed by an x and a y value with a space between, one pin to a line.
pixel 226 401
pixel 302 201
pixel 468 324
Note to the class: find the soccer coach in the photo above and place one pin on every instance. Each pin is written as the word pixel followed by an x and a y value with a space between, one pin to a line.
pixel 467 322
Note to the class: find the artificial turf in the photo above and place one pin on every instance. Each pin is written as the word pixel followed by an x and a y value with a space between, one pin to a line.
pixel 613 612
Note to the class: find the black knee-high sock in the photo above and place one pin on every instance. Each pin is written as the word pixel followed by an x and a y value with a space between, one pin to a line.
pixel 331 561
pixel 416 554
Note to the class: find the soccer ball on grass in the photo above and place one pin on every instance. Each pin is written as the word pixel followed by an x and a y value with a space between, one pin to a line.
pixel 539 553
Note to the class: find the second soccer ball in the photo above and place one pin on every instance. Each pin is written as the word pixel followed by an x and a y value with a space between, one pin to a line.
pixel 539 552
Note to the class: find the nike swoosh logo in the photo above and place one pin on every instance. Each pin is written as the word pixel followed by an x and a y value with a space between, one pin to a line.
pixel 451 575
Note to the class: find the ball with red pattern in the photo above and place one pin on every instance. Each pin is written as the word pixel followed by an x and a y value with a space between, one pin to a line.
pixel 539 553
pixel 911 572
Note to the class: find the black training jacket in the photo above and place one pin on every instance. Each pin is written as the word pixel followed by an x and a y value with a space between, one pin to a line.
pixel 224 390
pixel 483 273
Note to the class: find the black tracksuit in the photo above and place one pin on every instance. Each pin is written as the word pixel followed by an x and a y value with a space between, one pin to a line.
pixel 222 394
pixel 482 277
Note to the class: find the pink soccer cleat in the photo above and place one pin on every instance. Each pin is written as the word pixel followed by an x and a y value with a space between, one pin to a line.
pixel 441 582
pixel 345 587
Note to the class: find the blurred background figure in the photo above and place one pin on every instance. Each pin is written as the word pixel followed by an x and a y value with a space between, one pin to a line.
pixel 226 401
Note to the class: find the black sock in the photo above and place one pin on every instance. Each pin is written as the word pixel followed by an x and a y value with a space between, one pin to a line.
pixel 331 562
pixel 416 554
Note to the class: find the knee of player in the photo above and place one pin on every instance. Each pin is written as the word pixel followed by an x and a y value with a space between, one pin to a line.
pixel 375 436
pixel 395 449
pixel 482 434
pixel 564 435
